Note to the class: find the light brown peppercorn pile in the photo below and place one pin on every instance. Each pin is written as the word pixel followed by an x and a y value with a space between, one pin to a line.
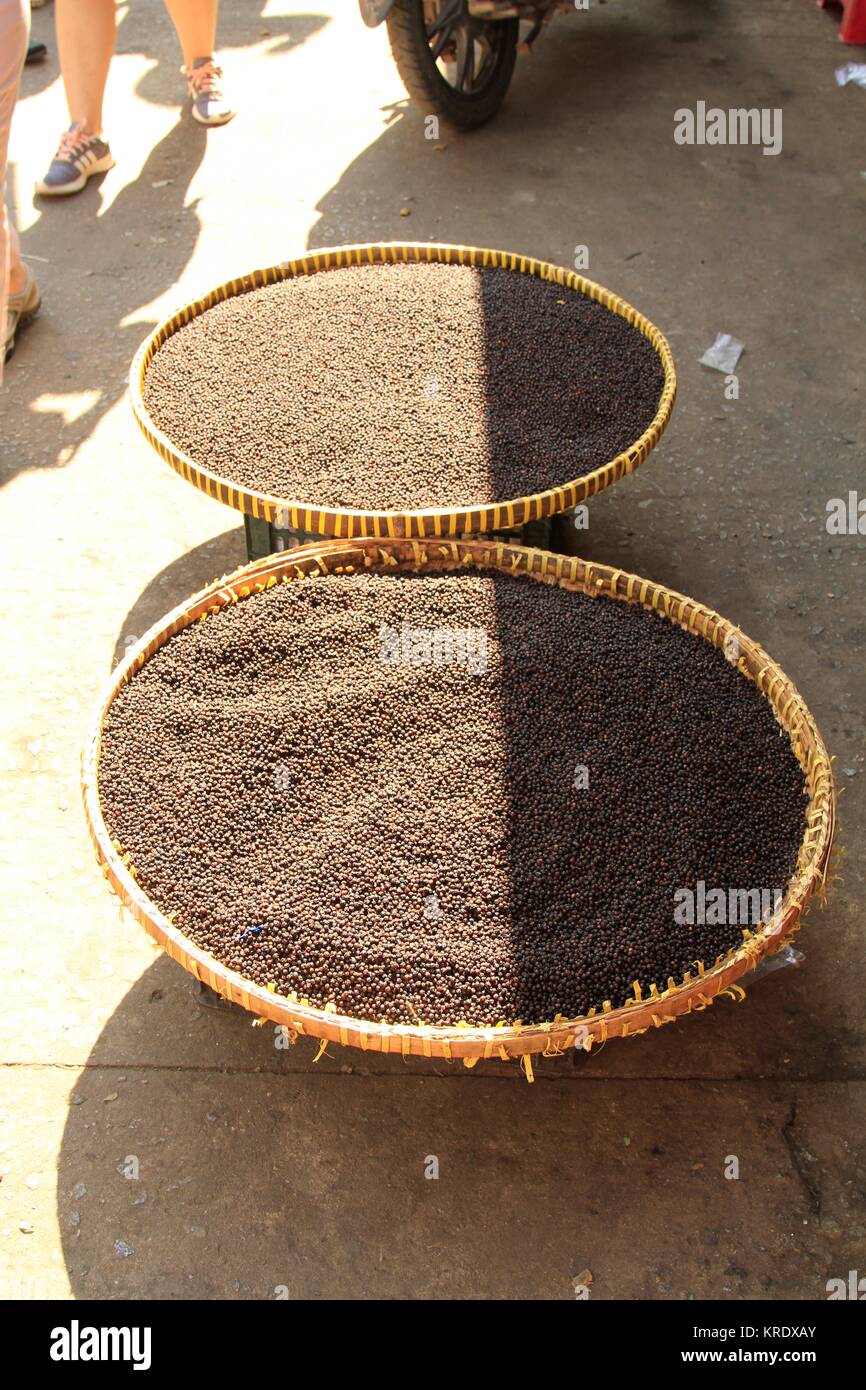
pixel 389 387
pixel 411 842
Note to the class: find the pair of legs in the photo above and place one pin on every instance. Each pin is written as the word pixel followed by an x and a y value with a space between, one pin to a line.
pixel 86 34
pixel 86 31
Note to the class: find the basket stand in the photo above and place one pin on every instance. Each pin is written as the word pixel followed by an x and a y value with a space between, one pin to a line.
pixel 267 538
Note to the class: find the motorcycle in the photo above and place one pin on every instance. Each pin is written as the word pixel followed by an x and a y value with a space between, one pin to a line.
pixel 456 57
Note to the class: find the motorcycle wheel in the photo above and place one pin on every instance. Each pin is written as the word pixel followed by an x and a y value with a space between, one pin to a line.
pixel 452 65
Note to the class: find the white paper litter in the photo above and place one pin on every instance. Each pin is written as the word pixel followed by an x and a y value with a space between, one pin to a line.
pixel 851 72
pixel 789 956
pixel 724 353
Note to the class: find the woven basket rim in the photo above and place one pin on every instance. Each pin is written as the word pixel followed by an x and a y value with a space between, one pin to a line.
pixel 351 522
pixel 697 990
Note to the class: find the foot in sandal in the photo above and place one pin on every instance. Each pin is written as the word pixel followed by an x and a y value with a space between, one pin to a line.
pixel 21 309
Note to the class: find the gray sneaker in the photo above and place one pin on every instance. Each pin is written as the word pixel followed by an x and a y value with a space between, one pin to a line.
pixel 209 106
pixel 78 158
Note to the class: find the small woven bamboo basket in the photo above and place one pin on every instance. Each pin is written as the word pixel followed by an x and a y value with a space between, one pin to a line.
pixel 432 522
pixel 649 1008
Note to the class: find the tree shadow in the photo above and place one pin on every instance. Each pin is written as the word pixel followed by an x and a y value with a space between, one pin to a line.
pixel 285 31
pixel 241 25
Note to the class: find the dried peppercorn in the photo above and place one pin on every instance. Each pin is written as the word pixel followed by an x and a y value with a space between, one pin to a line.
pixel 362 790
pixel 388 387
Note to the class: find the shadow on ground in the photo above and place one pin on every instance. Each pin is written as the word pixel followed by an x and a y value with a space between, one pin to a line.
pixel 241 24
pixel 178 582
pixel 593 69
pixel 137 248
pixel 133 257
pixel 242 1177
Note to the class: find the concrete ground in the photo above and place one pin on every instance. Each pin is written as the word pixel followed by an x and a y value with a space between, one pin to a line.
pixel 155 1148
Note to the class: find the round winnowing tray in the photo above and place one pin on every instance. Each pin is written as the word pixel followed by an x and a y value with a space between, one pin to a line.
pixel 308 514
pixel 649 1008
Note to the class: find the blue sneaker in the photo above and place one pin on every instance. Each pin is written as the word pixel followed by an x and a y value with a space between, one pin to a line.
pixel 209 106
pixel 78 158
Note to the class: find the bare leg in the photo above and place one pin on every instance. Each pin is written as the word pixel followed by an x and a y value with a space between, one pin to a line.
pixel 195 22
pixel 14 28
pixel 85 43
pixel 17 269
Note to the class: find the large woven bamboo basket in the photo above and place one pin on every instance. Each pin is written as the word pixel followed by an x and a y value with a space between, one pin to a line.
pixel 431 522
pixel 649 1008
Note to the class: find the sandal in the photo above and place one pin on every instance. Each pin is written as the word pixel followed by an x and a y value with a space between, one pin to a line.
pixel 21 309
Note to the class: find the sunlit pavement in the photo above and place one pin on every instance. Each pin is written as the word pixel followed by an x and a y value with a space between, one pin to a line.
pixel 257 1170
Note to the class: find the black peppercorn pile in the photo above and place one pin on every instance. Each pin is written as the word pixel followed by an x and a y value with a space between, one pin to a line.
pixel 414 842
pixel 403 386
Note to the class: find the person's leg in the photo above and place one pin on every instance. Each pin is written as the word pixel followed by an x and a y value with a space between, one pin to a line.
pixel 85 44
pixel 195 22
pixel 14 32
pixel 17 277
